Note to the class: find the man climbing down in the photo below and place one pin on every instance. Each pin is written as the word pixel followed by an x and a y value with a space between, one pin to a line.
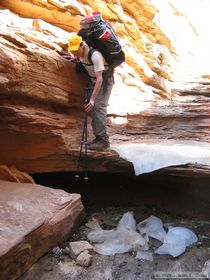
pixel 101 81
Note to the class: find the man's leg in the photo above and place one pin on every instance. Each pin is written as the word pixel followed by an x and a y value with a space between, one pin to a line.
pixel 99 114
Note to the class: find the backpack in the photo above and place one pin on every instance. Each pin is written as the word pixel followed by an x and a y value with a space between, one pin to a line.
pixel 100 35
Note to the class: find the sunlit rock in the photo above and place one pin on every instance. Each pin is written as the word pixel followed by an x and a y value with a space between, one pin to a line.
pixel 12 174
pixel 41 95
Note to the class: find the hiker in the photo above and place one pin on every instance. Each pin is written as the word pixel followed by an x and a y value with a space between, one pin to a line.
pixel 101 82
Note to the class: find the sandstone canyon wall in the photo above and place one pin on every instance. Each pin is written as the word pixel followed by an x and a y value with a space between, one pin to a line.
pixel 41 95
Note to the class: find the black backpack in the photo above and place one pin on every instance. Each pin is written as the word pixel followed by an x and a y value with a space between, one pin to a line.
pixel 100 35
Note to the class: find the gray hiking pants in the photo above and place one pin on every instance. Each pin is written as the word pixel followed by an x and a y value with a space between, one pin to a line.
pixel 99 111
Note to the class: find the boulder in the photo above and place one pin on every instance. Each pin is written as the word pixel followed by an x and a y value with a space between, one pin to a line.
pixel 33 220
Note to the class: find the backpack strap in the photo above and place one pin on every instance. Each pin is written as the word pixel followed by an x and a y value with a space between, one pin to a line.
pixel 90 53
pixel 82 65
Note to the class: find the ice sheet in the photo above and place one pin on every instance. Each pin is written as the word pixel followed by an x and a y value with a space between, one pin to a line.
pixel 149 156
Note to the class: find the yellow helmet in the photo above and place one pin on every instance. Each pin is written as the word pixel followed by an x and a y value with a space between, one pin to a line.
pixel 74 42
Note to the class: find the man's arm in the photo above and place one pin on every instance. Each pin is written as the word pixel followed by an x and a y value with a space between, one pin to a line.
pixel 96 89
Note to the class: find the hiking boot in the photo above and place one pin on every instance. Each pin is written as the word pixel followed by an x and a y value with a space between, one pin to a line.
pixel 99 145
pixel 93 141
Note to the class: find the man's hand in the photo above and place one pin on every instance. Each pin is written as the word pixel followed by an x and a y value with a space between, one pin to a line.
pixel 89 106
pixel 70 58
pixel 65 54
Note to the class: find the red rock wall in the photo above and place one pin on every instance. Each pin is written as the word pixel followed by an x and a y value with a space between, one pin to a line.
pixel 41 95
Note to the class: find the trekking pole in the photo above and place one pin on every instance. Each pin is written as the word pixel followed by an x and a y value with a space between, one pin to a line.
pixel 77 176
pixel 84 140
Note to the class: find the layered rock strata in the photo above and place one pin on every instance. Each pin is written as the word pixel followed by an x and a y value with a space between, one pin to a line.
pixel 41 95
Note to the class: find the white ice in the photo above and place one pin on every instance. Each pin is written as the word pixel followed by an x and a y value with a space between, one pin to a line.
pixel 152 227
pixel 125 238
pixel 153 155
pixel 176 241
pixel 120 240
pixel 142 255
pixel 206 269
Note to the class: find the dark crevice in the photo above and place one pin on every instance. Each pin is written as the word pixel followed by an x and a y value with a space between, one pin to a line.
pixel 182 196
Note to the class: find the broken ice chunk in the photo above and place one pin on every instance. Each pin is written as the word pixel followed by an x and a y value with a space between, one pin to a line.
pixel 131 241
pixel 100 235
pixel 120 240
pixel 206 269
pixel 152 227
pixel 176 241
pixel 127 221
pixel 142 255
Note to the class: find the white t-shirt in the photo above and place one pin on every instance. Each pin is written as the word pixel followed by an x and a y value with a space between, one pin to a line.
pixel 97 60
